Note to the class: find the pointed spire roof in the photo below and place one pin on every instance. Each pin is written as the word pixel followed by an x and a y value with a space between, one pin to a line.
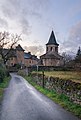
pixel 52 39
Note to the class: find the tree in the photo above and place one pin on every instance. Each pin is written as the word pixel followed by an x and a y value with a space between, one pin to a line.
pixel 66 58
pixel 7 44
pixel 78 56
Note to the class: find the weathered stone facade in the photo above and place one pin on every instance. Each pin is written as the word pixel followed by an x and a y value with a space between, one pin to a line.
pixel 22 58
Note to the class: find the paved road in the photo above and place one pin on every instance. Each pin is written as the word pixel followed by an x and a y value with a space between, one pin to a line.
pixel 23 102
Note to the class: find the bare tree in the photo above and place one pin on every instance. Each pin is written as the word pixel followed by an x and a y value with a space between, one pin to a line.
pixel 7 44
pixel 66 57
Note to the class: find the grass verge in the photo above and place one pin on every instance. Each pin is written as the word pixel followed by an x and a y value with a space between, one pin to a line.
pixel 3 86
pixel 61 99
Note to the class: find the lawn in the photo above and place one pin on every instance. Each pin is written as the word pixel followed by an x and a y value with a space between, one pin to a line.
pixel 71 75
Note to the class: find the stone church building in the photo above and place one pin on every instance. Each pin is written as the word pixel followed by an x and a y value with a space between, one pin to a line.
pixel 51 57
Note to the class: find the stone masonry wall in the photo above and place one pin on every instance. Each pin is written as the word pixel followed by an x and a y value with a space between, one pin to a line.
pixel 67 87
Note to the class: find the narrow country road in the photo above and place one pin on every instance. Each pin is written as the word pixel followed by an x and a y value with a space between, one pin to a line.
pixel 22 102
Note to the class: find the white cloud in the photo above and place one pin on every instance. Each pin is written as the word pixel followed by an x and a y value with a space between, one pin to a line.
pixel 36 50
pixel 74 39
pixel 3 23
pixel 13 17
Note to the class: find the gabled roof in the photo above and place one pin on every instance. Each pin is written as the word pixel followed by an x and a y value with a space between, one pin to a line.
pixel 52 39
pixel 19 48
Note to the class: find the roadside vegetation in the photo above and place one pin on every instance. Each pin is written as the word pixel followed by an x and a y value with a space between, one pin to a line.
pixel 3 85
pixel 61 99
pixel 4 79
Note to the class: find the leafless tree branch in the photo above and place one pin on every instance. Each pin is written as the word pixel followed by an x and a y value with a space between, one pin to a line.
pixel 8 42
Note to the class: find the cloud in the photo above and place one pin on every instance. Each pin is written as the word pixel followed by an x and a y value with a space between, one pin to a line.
pixel 12 12
pixel 74 39
pixel 3 23
pixel 16 14
pixel 36 50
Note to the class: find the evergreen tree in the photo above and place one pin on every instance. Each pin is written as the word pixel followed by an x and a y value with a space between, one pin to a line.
pixel 78 56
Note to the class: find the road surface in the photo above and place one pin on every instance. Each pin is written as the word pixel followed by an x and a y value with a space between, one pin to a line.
pixel 23 102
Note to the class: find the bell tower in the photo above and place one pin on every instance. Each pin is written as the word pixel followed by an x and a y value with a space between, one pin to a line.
pixel 52 45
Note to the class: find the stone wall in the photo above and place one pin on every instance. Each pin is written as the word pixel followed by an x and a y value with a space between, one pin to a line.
pixel 67 87
pixel 50 68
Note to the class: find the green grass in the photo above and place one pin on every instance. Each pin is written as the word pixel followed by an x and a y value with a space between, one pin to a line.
pixel 66 75
pixel 61 99
pixel 3 86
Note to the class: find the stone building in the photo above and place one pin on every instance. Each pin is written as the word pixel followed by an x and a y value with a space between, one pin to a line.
pixel 18 56
pixel 51 57
pixel 30 60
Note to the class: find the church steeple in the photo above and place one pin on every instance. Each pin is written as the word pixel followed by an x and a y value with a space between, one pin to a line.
pixel 52 44
pixel 52 40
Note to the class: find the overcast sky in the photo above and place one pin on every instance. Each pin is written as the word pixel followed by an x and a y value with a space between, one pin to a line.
pixel 35 19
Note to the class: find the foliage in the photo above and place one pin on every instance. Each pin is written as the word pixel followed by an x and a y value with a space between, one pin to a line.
pixel 3 72
pixel 66 58
pixel 3 85
pixel 18 66
pixel 21 72
pixel 78 56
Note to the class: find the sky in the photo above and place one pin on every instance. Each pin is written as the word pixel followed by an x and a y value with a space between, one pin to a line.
pixel 35 19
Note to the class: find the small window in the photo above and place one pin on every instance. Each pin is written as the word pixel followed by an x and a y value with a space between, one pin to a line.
pixel 56 49
pixel 11 64
pixel 11 58
pixel 51 48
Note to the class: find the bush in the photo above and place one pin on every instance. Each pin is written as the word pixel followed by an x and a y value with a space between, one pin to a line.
pixel 18 66
pixel 3 72
pixel 21 72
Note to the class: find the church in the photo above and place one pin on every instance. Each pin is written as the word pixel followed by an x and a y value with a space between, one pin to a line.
pixel 51 57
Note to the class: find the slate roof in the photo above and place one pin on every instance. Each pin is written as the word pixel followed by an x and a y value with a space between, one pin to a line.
pixel 51 55
pixel 29 56
pixel 19 48
pixel 52 40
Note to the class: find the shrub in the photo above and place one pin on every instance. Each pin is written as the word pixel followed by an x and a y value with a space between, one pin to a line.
pixel 3 72
pixel 18 66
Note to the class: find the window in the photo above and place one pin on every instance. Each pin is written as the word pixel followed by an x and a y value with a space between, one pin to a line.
pixel 11 64
pixel 30 61
pixel 56 49
pixel 11 58
pixel 51 48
